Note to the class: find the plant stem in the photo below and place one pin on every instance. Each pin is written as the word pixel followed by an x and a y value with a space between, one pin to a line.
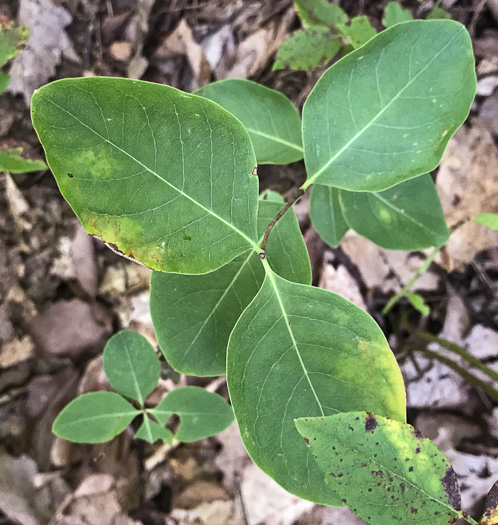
pixel 474 361
pixel 473 380
pixel 298 194
pixel 408 286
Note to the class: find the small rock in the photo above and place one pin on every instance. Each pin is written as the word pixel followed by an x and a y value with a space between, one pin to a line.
pixel 200 492
pixel 120 51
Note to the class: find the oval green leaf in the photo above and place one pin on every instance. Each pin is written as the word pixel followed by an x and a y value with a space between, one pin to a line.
pixel 384 470
pixel 152 431
pixel 131 364
pixel 193 315
pixel 202 413
pixel 490 220
pixel 11 160
pixel 395 14
pixel 96 417
pixel 407 216
pixel 162 174
pixel 385 112
pixel 326 215
pixel 269 117
pixel 296 351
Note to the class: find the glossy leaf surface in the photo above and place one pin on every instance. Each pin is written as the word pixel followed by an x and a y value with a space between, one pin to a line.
pixel 131 364
pixel 152 431
pixel 359 31
pixel 407 216
pixel 96 417
pixel 202 413
pixel 11 160
pixel 193 315
pixel 296 351
pixel 385 112
pixel 384 470
pixel 395 14
pixel 326 214
pixel 164 175
pixel 269 117
pixel 308 49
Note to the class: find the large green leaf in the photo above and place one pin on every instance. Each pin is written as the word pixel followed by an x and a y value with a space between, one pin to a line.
pixel 359 31
pixel 326 214
pixel 395 14
pixel 407 216
pixel 12 40
pixel 193 315
pixel 269 116
pixel 162 174
pixel 131 364
pixel 96 417
pixel 320 12
pixel 385 112
pixel 202 413
pixel 384 470
pixel 300 351
pixel 11 160
pixel 308 49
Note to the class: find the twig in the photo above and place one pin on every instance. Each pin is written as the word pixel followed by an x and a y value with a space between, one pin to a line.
pixel 299 193
pixel 241 498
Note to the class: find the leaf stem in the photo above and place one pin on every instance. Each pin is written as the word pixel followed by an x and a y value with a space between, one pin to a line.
pixel 297 195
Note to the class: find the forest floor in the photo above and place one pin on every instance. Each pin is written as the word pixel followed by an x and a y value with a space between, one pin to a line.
pixel 63 293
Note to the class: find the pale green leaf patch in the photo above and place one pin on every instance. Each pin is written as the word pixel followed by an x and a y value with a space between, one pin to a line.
pixel 395 14
pixel 131 364
pixel 296 351
pixel 269 117
pixel 326 214
pixel 382 469
pixel 417 301
pixel 193 315
pixel 359 31
pixel 95 417
pixel 202 413
pixel 4 82
pixel 12 40
pixel 320 12
pixel 398 99
pixel 490 220
pixel 164 175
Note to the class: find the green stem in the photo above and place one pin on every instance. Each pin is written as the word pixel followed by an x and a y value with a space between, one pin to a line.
pixel 408 286
pixel 469 519
pixel 452 347
pixel 473 380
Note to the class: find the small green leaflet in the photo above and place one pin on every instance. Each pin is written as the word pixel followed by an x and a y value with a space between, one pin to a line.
pixel 96 417
pixel 417 301
pixel 11 160
pixel 326 215
pixel 12 40
pixel 398 100
pixel 359 31
pixel 193 315
pixel 490 220
pixel 269 117
pixel 395 14
pixel 407 216
pixel 320 12
pixel 164 175
pixel 308 49
pixel 368 459
pixel 202 413
pixel 152 431
pixel 131 364
pixel 437 13
pixel 296 351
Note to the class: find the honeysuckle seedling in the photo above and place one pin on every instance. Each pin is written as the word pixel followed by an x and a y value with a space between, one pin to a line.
pixel 170 180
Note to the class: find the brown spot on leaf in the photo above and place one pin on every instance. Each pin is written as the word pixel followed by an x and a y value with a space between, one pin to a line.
pixel 70 175
pixel 413 510
pixel 490 516
pixel 450 486
pixel 417 450
pixel 370 423
pixel 377 472
pixel 306 440
pixel 402 487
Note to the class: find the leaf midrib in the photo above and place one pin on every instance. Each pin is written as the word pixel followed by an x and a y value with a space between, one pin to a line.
pixel 378 115
pixel 275 139
pixel 152 172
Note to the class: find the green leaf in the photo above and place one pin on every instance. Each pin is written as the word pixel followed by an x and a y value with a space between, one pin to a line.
pixel 437 13
pixel 202 413
pixel 320 12
pixel 359 32
pixel 384 470
pixel 308 49
pixel 194 315
pixel 152 431
pixel 302 351
pixel 490 220
pixel 417 301
pixel 326 214
pixel 131 364
pixel 4 82
pixel 11 160
pixel 398 100
pixel 407 216
pixel 164 175
pixel 96 417
pixel 269 117
pixel 12 40
pixel 395 14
